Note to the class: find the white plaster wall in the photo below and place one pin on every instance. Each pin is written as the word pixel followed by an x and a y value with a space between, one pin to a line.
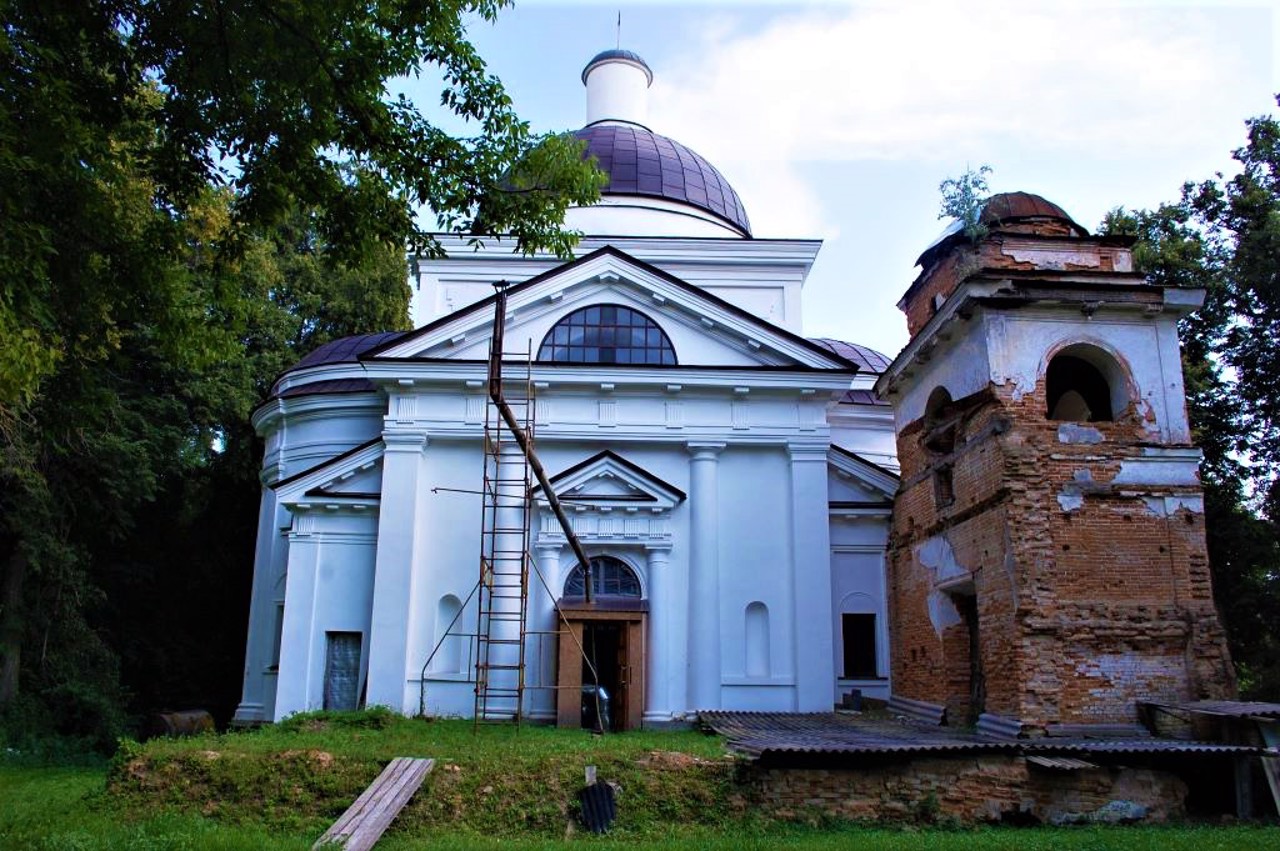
pixel 1020 345
pixel 330 589
pixel 720 261
pixel 755 566
pixel 618 89
pixel 314 429
pixel 642 216
pixel 694 341
pixel 959 364
pixel 858 585
pixel 865 430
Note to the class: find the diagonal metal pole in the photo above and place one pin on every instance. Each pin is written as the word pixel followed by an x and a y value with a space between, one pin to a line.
pixel 522 439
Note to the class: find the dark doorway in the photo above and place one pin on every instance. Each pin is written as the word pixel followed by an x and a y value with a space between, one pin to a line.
pixel 968 608
pixel 603 645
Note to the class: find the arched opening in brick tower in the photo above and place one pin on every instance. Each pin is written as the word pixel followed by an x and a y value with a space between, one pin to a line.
pixel 1084 384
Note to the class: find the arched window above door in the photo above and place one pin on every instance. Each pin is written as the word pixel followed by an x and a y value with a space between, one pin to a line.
pixel 607 333
pixel 610 577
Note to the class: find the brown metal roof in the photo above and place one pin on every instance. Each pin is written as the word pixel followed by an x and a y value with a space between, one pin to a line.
pixel 1010 206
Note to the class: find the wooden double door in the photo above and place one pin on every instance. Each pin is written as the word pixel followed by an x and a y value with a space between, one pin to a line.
pixel 602 649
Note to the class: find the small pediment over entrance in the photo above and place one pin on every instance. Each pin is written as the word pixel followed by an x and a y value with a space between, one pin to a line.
pixel 607 481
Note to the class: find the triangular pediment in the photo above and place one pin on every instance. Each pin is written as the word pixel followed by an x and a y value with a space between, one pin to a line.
pixel 853 480
pixel 704 330
pixel 354 475
pixel 607 481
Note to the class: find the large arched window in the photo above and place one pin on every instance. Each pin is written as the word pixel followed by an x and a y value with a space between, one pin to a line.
pixel 610 577
pixel 607 333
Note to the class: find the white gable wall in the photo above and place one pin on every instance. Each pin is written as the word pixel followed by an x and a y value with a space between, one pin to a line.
pixel 738 573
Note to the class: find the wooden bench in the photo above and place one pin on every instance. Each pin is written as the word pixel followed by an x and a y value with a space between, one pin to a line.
pixel 364 822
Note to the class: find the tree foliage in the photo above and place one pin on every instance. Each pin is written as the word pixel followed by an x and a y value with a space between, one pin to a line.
pixel 963 198
pixel 192 194
pixel 1223 236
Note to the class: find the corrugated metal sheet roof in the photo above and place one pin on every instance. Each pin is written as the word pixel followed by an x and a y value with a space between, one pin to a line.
pixel 831 734
pixel 1233 708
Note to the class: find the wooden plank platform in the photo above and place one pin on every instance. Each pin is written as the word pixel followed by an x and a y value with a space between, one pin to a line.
pixel 364 822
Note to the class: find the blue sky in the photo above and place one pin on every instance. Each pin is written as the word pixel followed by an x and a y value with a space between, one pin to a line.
pixel 838 120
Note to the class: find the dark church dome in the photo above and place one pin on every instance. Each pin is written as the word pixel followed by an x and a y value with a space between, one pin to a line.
pixel 617 55
pixel 640 162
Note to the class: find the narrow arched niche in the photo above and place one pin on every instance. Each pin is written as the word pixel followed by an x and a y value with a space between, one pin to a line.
pixel 757 640
pixel 1085 384
pixel 448 658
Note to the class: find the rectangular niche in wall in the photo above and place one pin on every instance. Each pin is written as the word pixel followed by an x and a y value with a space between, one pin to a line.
pixel 859 634
pixel 342 671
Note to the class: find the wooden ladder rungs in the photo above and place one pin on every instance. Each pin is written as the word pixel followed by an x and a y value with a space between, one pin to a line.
pixel 364 822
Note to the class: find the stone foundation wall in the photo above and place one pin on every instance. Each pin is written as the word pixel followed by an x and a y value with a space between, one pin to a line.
pixel 970 790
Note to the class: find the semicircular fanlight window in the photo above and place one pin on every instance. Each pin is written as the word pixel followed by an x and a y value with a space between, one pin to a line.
pixel 610 577
pixel 607 333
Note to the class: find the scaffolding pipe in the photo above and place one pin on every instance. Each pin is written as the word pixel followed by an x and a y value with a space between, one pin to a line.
pixel 522 439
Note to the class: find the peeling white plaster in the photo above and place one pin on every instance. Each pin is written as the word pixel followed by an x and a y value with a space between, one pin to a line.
pixel 942 612
pixel 1164 506
pixel 1053 259
pixel 1135 671
pixel 936 555
pixel 1070 501
pixel 1076 433
pixel 1161 467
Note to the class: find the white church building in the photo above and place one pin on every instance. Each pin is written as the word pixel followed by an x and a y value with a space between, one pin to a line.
pixel 731 480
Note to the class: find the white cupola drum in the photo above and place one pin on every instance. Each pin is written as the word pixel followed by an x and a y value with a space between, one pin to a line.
pixel 617 84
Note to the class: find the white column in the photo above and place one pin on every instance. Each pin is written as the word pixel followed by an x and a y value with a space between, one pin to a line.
pixel 262 615
pixel 811 579
pixel 541 650
pixel 662 669
pixel 294 687
pixel 704 577
pixel 395 597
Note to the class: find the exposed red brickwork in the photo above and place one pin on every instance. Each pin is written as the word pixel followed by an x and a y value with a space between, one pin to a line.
pixel 980 789
pixel 1005 251
pixel 1082 595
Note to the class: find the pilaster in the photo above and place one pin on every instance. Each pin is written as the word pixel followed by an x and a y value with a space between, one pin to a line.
pixel 704 672
pixel 811 577
pixel 395 568
pixel 664 676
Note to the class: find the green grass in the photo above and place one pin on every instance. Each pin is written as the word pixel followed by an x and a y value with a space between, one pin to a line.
pixel 500 788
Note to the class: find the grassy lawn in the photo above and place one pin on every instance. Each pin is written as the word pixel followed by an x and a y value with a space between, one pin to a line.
pixel 280 787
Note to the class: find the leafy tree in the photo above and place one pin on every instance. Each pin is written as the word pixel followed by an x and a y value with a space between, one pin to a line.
pixel 190 192
pixel 1222 236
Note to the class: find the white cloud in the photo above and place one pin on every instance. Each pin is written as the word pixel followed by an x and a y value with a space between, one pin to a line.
pixel 920 81
pixel 950 81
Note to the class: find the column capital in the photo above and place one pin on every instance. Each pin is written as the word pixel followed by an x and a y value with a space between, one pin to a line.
pixel 704 451
pixel 808 451
pixel 404 441
pixel 658 551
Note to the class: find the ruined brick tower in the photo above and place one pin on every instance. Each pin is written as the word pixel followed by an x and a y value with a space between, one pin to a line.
pixel 1048 561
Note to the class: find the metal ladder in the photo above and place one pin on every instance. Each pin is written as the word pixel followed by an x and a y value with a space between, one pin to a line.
pixel 503 590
